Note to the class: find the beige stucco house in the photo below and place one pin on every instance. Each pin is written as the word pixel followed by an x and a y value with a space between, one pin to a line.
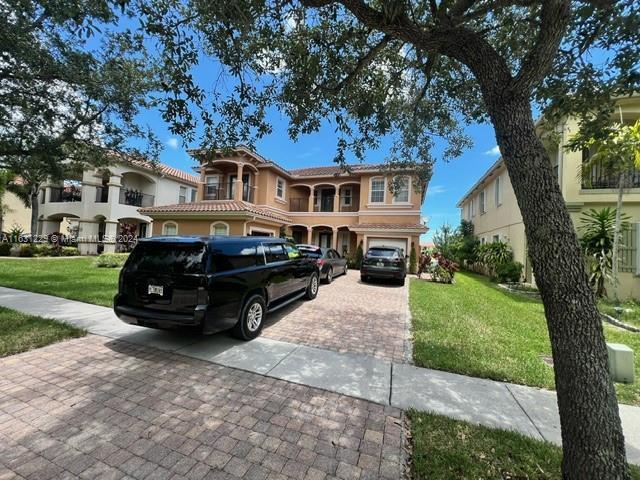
pixel 15 214
pixel 242 193
pixel 490 204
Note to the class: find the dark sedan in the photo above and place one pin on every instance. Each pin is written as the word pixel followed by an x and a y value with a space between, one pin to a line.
pixel 330 262
pixel 384 262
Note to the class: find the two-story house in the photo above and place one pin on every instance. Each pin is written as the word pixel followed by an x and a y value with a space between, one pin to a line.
pixel 242 193
pixel 101 207
pixel 490 204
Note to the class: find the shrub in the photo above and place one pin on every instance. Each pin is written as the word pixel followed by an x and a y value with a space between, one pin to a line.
pixel 359 257
pixel 509 272
pixel 413 260
pixel 445 269
pixel 5 249
pixel 111 260
pixel 69 251
pixel 26 250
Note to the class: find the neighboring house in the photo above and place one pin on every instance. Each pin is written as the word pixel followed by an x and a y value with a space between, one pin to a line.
pixel 101 208
pixel 15 214
pixel 242 193
pixel 492 207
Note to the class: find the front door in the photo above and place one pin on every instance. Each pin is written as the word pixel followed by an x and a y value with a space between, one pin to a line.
pixel 324 239
pixel 245 186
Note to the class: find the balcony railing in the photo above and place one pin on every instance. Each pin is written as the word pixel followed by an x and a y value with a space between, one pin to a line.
pixel 102 194
pixel 345 204
pixel 300 204
pixel 135 198
pixel 65 194
pixel 600 177
pixel 222 191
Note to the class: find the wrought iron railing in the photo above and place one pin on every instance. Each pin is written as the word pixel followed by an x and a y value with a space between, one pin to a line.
pixel 223 191
pixel 135 198
pixel 65 194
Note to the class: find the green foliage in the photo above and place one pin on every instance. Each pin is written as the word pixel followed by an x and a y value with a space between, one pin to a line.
pixel 26 250
pixel 111 260
pixel 5 249
pixel 494 253
pixel 413 260
pixel 51 250
pixel 597 229
pixel 447 240
pixel 509 272
pixel 359 256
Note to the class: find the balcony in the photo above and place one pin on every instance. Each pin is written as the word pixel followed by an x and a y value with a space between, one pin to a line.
pixel 601 178
pixel 350 203
pixel 346 203
pixel 135 198
pixel 300 204
pixel 220 191
pixel 102 194
pixel 65 194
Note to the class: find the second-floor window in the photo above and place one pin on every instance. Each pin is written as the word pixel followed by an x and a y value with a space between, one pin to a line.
pixel 194 194
pixel 473 207
pixel 346 197
pixel 182 197
pixel 280 188
pixel 499 190
pixel 483 207
pixel 377 190
pixel 402 194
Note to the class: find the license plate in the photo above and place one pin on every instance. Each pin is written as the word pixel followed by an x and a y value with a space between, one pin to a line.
pixel 156 289
pixel 380 264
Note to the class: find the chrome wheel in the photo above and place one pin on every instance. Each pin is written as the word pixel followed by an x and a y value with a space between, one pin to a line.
pixel 330 275
pixel 314 284
pixel 254 317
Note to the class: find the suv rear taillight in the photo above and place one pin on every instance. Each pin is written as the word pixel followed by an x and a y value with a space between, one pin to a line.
pixel 320 262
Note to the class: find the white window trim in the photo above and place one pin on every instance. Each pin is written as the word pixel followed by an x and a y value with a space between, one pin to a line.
pixel 343 197
pixel 384 190
pixel 284 188
pixel 186 194
pixel 482 197
pixel 498 189
pixel 212 227
pixel 169 222
pixel 473 207
pixel 408 200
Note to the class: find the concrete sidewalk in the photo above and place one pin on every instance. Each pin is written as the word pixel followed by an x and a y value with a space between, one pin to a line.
pixel 528 410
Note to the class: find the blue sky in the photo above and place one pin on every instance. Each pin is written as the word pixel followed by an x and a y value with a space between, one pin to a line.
pixel 450 180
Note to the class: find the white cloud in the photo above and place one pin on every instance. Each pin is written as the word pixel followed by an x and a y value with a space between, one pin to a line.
pixel 493 152
pixel 435 190
pixel 173 143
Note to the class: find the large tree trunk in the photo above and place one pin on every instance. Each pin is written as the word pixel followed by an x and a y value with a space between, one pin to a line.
pixel 616 237
pixel 593 443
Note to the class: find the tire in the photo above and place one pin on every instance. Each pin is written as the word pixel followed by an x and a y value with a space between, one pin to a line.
pixel 401 281
pixel 312 288
pixel 364 278
pixel 249 327
pixel 329 278
pixel 346 268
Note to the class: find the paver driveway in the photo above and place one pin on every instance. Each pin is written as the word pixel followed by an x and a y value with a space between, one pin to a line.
pixel 348 316
pixel 97 408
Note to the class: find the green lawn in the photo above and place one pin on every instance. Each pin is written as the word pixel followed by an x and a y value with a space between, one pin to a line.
pixel 475 328
pixel 445 449
pixel 73 278
pixel 630 314
pixel 20 332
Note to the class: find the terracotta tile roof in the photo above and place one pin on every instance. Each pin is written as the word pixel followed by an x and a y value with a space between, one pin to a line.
pixel 331 170
pixel 215 206
pixel 390 226
pixel 165 170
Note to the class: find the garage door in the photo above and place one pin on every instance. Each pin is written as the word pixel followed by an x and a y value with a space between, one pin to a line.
pixel 389 242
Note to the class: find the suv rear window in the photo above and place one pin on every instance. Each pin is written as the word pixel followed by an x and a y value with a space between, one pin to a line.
pixel 167 258
pixel 382 252
pixel 232 256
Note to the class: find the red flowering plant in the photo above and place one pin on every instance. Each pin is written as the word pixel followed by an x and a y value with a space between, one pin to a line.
pixel 442 270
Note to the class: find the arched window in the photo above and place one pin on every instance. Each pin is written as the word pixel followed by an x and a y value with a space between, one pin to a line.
pixel 169 228
pixel 219 228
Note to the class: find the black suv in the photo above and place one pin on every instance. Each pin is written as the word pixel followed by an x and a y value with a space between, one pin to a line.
pixel 212 283
pixel 384 262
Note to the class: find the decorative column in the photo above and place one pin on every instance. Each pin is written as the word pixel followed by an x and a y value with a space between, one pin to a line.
pixel 238 193
pixel 336 201
pixel 334 238
pixel 110 236
pixel 309 235
pixel 311 198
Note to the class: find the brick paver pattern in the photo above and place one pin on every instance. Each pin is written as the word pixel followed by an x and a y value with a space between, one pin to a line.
pixel 96 408
pixel 348 316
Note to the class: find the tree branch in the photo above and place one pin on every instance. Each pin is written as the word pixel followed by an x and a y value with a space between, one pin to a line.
pixel 554 19
pixel 362 63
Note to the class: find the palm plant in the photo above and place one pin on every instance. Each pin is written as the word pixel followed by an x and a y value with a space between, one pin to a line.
pixel 618 154
pixel 599 229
